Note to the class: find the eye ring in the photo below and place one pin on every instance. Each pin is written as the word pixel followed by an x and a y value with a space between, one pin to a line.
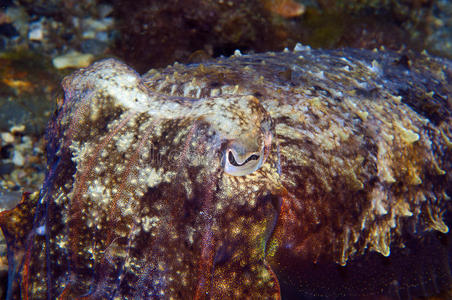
pixel 234 162
pixel 236 167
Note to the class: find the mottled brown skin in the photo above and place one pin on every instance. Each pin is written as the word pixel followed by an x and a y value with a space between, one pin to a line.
pixel 137 203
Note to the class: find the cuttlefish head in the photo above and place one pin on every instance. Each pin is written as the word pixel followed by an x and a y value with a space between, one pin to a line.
pixel 245 131
pixel 153 195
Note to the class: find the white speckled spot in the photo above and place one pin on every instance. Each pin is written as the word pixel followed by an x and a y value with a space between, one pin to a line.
pixel 124 141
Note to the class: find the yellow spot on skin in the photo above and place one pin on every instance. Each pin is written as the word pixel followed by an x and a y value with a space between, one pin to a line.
pixel 414 177
pixel 381 241
pixel 402 208
pixel 397 99
pixel 161 267
pixel 407 135
pixel 362 114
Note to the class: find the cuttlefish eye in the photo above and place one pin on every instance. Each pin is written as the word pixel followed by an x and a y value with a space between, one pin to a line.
pixel 241 166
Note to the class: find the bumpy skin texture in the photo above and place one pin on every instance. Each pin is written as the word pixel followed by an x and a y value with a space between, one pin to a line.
pixel 136 203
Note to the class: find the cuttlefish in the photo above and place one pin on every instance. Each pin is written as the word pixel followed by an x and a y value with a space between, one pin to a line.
pixel 280 175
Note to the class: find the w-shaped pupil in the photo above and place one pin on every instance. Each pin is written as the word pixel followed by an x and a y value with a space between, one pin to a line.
pixel 233 162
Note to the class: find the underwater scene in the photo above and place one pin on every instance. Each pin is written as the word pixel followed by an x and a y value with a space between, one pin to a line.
pixel 226 149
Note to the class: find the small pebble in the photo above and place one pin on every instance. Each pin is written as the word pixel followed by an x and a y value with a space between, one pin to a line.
pixel 7 138
pixel 98 25
pixel 36 32
pixel 89 34
pixel 17 128
pixel 18 158
pixel 73 60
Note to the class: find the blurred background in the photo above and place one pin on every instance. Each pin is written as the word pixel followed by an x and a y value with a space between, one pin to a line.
pixel 41 41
